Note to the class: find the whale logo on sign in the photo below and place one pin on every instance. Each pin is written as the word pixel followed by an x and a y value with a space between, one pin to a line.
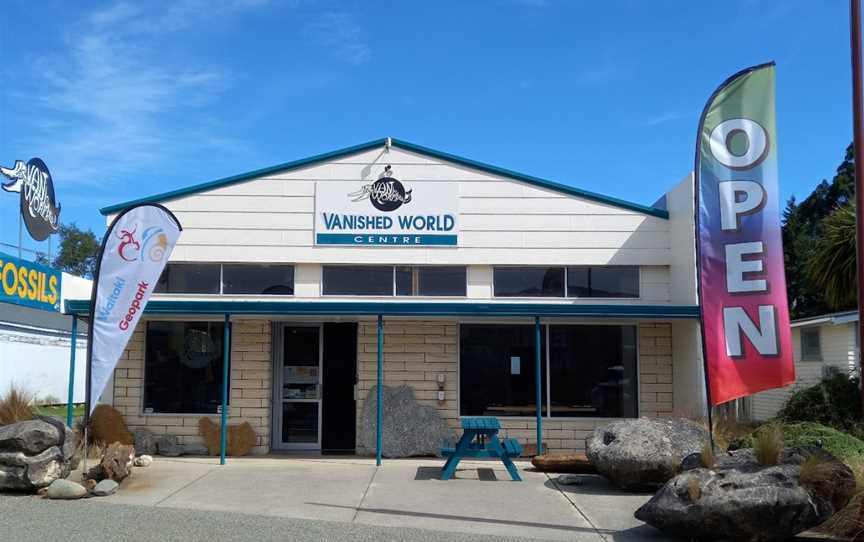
pixel 386 194
pixel 39 207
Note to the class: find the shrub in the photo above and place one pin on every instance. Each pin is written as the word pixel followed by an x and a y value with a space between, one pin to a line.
pixel 15 406
pixel 107 426
pixel 767 444
pixel 240 439
pixel 835 402
pixel 707 456
pixel 838 443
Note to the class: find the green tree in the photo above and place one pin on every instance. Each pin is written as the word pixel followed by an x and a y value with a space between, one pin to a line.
pixel 832 264
pixel 78 251
pixel 803 227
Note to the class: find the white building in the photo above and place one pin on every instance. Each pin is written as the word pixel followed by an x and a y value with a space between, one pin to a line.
pixel 35 345
pixel 822 346
pixel 464 262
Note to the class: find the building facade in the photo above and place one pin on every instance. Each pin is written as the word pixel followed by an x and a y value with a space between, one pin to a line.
pixel 822 346
pixel 464 265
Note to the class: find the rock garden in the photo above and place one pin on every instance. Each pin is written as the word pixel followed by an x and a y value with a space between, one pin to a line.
pixel 803 471
pixel 38 453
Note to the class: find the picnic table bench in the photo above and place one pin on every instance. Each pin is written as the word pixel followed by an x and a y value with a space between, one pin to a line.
pixel 480 439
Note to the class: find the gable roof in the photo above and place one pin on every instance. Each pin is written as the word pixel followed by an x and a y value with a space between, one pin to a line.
pixel 305 162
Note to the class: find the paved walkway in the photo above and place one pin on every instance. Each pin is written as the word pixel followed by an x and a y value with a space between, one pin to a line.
pixel 481 500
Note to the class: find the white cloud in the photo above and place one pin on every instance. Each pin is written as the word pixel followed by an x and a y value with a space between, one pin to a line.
pixel 342 35
pixel 113 103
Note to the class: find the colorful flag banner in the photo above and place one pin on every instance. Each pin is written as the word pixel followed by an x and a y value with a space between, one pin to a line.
pixel 134 252
pixel 742 285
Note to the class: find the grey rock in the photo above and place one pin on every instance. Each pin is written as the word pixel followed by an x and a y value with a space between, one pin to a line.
pixel 169 446
pixel 643 454
pixel 409 428
pixel 105 487
pixel 29 437
pixel 195 449
pixel 34 453
pixel 146 442
pixel 740 499
pixel 570 480
pixel 143 461
pixel 65 489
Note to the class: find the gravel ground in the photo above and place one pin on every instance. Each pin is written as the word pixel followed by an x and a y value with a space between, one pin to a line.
pixel 27 518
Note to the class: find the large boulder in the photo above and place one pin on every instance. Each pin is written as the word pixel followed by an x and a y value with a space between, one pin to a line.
pixel 34 453
pixel 741 499
pixel 643 454
pixel 408 428
pixel 145 441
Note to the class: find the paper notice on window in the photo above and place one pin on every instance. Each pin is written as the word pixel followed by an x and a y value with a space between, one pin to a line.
pixel 515 365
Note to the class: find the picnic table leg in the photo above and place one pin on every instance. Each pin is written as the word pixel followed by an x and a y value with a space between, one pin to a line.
pixel 449 468
pixel 495 444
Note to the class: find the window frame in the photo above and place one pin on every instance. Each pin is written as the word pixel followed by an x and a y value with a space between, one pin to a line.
pixel 145 321
pixel 566 285
pixel 547 415
pixel 393 292
pixel 818 332
pixel 222 280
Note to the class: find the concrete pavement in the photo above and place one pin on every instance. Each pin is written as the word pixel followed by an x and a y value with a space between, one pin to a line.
pixel 481 500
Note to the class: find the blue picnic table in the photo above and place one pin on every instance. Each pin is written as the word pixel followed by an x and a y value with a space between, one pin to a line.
pixel 480 439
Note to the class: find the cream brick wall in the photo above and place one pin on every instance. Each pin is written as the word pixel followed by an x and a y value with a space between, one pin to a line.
pixel 415 352
pixel 251 370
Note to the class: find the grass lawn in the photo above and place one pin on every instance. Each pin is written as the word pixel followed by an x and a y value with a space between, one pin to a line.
pixel 59 411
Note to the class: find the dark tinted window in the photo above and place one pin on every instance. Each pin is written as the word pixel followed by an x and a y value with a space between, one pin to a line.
pixel 593 371
pixel 357 280
pixel 431 280
pixel 497 370
pixel 602 281
pixel 183 367
pixel 189 278
pixel 258 279
pixel 529 281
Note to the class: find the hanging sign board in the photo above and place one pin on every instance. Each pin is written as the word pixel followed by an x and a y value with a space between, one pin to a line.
pixel 387 212
pixel 39 207
pixel 29 284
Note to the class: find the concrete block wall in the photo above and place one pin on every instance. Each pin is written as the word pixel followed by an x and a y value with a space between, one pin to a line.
pixel 251 377
pixel 415 352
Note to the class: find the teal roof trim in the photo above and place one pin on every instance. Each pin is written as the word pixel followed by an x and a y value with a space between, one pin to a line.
pixel 536 181
pixel 408 308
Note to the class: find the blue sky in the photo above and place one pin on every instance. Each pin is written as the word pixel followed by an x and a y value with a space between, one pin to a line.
pixel 125 99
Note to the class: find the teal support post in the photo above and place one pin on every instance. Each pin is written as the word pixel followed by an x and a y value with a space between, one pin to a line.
pixel 537 370
pixel 226 373
pixel 380 392
pixel 72 349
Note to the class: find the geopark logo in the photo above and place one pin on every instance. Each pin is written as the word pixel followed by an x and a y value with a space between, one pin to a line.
pixel 153 240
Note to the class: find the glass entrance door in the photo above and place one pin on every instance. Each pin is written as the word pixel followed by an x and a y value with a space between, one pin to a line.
pixel 300 399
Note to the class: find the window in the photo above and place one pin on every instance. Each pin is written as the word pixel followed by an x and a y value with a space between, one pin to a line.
pixel 214 278
pixel 811 347
pixel 431 280
pixel 381 280
pixel 529 281
pixel 602 281
pixel 497 370
pixel 258 279
pixel 189 278
pixel 183 367
pixel 357 280
pixel 592 371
